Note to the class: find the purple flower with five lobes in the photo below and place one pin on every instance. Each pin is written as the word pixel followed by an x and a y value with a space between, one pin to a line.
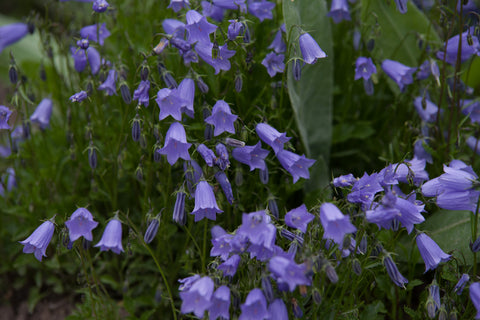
pixel 81 224
pixel 271 136
pixel 274 63
pixel 255 306
pixel 100 6
pixel 470 46
pixel 296 165
pixel 110 84
pixel 176 145
pixel 257 228
pixel 431 253
pixel 79 96
pixel 11 33
pixel 222 179
pixel 177 5
pixel 197 298
pixel 229 267
pixel 213 11
pixel 205 203
pixel 261 9
pixel 222 118
pixel 207 154
pixel 42 113
pixel 5 114
pixel 288 273
pixel 112 237
pixel 220 304
pixel 310 49
pixel 254 156
pixel 198 28
pixel 221 243
pixel 339 11
pixel 475 297
pixel 364 189
pixel 427 110
pixel 222 160
pixel 38 241
pixel 235 29
pixel 186 90
pixel 364 68
pixel 90 33
pixel 299 218
pixel 80 59
pixel 221 62
pixel 141 94
pixel 400 73
pixel 278 45
pixel 455 189
pixel 170 104
pixel 344 181
pixel 335 224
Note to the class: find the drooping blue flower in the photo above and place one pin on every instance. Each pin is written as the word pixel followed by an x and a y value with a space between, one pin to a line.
pixel 170 104
pixel 427 68
pixel 278 310
pixel 220 304
pixel 455 189
pixel 110 84
pixel 100 6
pixel 186 90
pixel 229 267
pixel 176 145
pixel 38 241
pixel 430 251
pixel 299 218
pixel 235 29
pixel 220 62
pixel 401 6
pixel 198 28
pixel 257 227
pixel 142 93
pixel 12 33
pixel 213 11
pixel 205 202
pixel 152 229
pixel 364 68
pixel 288 273
pixel 255 306
pixel 81 224
pixel 221 243
pixel 222 179
pixel 5 114
pixel 470 46
pixel 339 11
pixel 90 33
pixel 393 272
pixel 42 113
pixel 207 154
pixel 112 237
pixel 187 283
pixel 79 59
pixel 79 96
pixel 261 9
pixel 335 224
pixel 364 189
pixel 274 63
pixel 278 45
pixel 296 165
pixel 222 118
pixel 400 73
pixel 427 110
pixel 254 156
pixel 310 49
pixel 475 297
pixel 271 136
pixel 461 283
pixel 177 5
pixel 231 4
pixel 197 298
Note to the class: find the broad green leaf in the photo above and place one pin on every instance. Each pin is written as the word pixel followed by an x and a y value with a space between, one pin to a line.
pixel 311 96
pixel 451 231
pixel 396 35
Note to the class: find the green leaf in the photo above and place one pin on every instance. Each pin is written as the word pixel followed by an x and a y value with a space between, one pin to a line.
pixel 396 35
pixel 311 96
pixel 451 231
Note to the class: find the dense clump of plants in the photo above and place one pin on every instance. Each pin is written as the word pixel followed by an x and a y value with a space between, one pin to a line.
pixel 245 159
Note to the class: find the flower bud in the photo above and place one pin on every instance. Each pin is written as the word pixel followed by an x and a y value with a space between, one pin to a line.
pixel 83 44
pixel 157 157
pixel 273 208
pixel 222 179
pixel 158 295
pixel 267 289
pixel 136 128
pixel 317 297
pixel 331 273
pixel 43 73
pixel 475 246
pixel 92 156
pixel 12 74
pixel 292 250
pixel 139 173
pixel 297 311
pixel 247 38
pixel 208 133
pixel 238 82
pixel 234 143
pixel 297 69
pixel 179 209
pixel 125 92
pixel 152 230
pixel 263 175
pixel 238 177
pixel 370 44
pixel 202 85
pixel 357 267
pixel 144 73
pixel 368 86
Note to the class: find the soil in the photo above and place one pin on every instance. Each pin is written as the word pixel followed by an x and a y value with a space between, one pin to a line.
pixel 57 309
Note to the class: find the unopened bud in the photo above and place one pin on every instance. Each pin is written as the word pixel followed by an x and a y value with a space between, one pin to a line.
pixel 144 73
pixel 297 311
pixel 331 273
pixel 317 297
pixel 263 175
pixel 238 82
pixel 179 209
pixel 160 46
pixel 12 74
pixel 139 172
pixel 125 92
pixel 273 208
pixel 234 143
pixel 92 156
pixel 136 128
pixel 202 85
pixel 152 230
pixel 267 289
pixel 357 267
pixel 370 44
pixel 297 69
